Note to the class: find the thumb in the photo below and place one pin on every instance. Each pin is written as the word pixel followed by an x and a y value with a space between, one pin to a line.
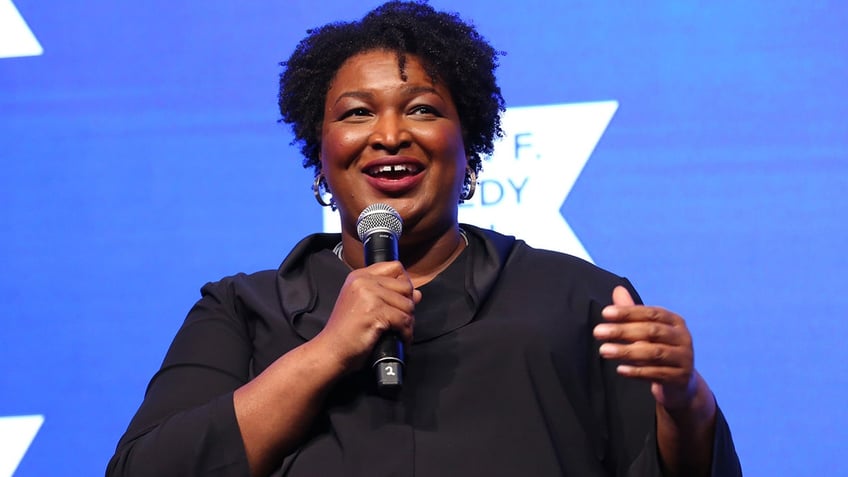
pixel 621 297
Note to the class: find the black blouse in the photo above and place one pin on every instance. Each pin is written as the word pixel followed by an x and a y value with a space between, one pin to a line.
pixel 503 378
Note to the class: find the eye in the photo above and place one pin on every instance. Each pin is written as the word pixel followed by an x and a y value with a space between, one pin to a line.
pixel 424 109
pixel 355 112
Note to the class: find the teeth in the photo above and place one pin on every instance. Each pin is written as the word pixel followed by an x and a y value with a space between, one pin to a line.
pixel 393 168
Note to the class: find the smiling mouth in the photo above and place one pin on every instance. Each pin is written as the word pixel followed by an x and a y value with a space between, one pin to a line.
pixel 393 171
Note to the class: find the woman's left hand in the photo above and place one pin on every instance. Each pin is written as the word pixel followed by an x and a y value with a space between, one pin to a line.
pixel 651 343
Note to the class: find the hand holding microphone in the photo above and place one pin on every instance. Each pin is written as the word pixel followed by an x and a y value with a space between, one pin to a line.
pixel 373 314
pixel 379 227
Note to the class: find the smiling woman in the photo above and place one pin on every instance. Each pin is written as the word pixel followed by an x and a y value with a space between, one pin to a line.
pixel 520 361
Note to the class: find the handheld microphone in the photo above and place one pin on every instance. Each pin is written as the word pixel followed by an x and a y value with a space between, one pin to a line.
pixel 379 227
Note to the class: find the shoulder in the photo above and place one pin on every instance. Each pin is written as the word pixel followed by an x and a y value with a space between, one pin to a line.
pixel 265 282
pixel 241 283
pixel 241 294
pixel 269 291
pixel 565 273
pixel 550 260
pixel 519 255
pixel 547 271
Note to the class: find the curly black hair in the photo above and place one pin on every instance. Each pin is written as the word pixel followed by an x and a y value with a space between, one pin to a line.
pixel 451 51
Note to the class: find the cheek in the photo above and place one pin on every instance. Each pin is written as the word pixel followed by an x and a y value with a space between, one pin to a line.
pixel 445 141
pixel 339 147
pixel 450 146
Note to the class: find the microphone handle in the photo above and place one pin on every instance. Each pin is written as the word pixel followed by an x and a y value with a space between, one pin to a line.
pixel 388 363
pixel 388 357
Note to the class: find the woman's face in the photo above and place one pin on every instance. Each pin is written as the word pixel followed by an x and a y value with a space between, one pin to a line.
pixel 392 141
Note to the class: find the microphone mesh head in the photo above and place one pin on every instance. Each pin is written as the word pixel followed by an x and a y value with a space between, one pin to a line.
pixel 378 217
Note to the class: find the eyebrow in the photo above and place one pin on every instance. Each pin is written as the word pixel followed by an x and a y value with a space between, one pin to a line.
pixel 407 91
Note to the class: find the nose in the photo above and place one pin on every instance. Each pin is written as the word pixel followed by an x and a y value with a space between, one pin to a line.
pixel 390 133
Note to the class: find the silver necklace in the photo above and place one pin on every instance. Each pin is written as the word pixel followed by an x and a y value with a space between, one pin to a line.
pixel 339 248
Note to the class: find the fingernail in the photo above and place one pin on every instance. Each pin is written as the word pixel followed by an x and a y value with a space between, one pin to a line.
pixel 608 349
pixel 624 369
pixel 603 331
pixel 609 312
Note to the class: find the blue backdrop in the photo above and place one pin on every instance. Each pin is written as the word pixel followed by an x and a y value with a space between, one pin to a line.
pixel 141 158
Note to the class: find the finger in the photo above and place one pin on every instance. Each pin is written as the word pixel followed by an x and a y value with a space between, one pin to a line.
pixel 664 375
pixel 364 280
pixel 625 309
pixel 403 325
pixel 407 331
pixel 366 302
pixel 640 313
pixel 630 332
pixel 398 301
pixel 387 269
pixel 621 297
pixel 648 354
pixel 399 273
pixel 393 276
pixel 397 286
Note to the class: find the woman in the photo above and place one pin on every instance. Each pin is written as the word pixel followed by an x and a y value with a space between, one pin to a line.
pixel 508 371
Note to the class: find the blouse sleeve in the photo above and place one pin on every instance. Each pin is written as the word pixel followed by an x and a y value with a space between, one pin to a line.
pixel 186 425
pixel 725 461
pixel 631 427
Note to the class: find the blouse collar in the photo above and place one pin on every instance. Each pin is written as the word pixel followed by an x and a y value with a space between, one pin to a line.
pixel 309 280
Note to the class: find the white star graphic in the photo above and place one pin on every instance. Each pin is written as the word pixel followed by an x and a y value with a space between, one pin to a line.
pixel 524 184
pixel 16 434
pixel 16 39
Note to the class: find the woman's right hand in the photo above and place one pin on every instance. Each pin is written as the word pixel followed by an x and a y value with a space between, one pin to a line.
pixel 372 301
pixel 276 409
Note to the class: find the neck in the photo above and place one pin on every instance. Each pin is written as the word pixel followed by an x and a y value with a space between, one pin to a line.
pixel 422 260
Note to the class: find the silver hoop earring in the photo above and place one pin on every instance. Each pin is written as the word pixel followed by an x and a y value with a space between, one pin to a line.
pixel 471 181
pixel 317 185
